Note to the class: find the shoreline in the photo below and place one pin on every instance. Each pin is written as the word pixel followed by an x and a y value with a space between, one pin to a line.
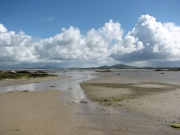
pixel 22 81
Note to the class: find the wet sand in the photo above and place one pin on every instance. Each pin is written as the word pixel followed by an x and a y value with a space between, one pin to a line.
pixel 41 113
pixel 152 95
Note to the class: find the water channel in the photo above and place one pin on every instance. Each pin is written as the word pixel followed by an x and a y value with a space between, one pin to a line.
pixel 70 85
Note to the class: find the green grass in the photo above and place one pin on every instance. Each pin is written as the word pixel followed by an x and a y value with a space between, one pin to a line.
pixel 10 91
pixel 175 125
pixel 12 76
pixel 83 101
pixel 17 129
pixel 107 99
pixel 22 74
pixel 25 91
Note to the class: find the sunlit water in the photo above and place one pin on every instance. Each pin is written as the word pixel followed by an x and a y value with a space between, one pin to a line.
pixel 70 86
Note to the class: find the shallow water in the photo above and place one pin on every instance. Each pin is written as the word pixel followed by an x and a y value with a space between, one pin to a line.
pixel 144 75
pixel 70 86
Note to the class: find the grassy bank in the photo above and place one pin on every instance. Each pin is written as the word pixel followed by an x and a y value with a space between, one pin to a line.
pixel 22 74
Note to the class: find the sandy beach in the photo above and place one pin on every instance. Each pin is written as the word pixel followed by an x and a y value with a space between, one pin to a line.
pixel 121 102
pixel 41 112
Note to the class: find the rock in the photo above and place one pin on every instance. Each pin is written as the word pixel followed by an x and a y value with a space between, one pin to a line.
pixel 13 72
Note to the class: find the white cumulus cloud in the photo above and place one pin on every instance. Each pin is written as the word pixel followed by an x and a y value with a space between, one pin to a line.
pixel 148 41
pixel 16 47
pixel 99 42
pixel 70 44
pixel 2 28
pixel 64 46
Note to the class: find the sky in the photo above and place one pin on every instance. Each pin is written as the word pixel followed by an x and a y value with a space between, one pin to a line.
pixel 88 33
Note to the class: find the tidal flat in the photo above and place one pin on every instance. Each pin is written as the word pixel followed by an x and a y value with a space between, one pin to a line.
pixel 145 92
pixel 122 101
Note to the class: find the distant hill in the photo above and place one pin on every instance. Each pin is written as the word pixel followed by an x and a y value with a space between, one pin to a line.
pixel 104 67
pixel 122 66
pixel 117 66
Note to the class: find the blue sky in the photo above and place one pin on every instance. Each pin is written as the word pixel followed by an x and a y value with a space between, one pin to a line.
pixel 68 33
pixel 30 15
